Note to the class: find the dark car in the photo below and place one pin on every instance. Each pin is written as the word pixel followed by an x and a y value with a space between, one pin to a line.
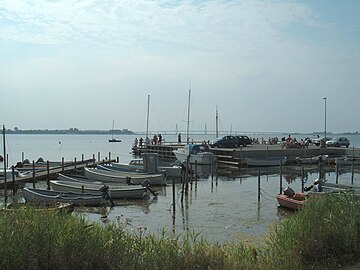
pixel 244 140
pixel 230 141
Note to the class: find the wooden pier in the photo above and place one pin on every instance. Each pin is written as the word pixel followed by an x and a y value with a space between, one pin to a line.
pixel 236 157
pixel 48 170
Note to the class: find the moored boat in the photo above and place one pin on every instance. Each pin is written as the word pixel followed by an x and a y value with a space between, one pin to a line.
pixel 123 177
pixel 115 191
pixel 263 162
pixel 295 202
pixel 44 196
pixel 199 153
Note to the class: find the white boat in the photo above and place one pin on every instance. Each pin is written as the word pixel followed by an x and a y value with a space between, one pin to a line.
pixel 263 162
pixel 137 165
pixel 347 161
pixel 312 160
pixel 115 191
pixel 44 196
pixel 123 177
pixel 196 152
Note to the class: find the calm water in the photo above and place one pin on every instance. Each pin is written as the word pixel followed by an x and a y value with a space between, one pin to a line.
pixel 222 209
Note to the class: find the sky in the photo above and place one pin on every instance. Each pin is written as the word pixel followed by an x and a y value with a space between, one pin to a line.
pixel 264 65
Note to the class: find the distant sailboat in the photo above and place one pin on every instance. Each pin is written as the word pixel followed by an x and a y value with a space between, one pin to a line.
pixel 112 136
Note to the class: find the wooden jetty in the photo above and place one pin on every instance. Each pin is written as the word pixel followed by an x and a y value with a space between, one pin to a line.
pixel 235 157
pixel 37 172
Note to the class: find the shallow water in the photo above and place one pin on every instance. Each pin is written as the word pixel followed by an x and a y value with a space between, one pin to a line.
pixel 222 208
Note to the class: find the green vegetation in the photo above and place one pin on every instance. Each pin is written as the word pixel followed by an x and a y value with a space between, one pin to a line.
pixel 324 235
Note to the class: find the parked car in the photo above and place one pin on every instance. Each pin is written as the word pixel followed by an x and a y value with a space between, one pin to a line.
pixel 341 141
pixel 244 140
pixel 317 140
pixel 226 141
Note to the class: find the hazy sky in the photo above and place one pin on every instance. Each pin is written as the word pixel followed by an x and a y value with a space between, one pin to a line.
pixel 266 65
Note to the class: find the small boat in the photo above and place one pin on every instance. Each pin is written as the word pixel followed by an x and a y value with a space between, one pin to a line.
pixel 124 177
pixel 44 196
pixel 199 153
pixel 263 162
pixel 137 165
pixel 295 202
pixel 115 191
pixel 347 161
pixel 312 160
pixel 65 208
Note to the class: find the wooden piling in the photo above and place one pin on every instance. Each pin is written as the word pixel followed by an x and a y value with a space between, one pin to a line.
pixel 82 157
pixel 99 156
pixel 174 195
pixel 13 179
pixel 62 164
pixel 281 186
pixel 337 171
pixel 33 173
pixel 22 157
pixel 48 174
pixel 259 189
pixel 75 165
pixel 302 178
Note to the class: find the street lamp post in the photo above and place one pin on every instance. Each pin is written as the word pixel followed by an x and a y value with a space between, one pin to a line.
pixel 325 116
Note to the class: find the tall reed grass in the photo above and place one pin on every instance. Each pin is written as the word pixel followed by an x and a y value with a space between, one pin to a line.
pixel 324 235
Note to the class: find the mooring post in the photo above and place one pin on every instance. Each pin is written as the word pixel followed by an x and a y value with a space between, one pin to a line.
pixel 82 157
pixel 98 156
pixel 22 157
pixel 75 164
pixel 13 179
pixel 187 175
pixel 196 173
pixel 109 157
pixel 117 159
pixel 259 189
pixel 62 164
pixel 337 171
pixel 33 173
pixel 352 171
pixel 302 178
pixel 94 160
pixel 173 199
pixel 281 186
pixel 48 174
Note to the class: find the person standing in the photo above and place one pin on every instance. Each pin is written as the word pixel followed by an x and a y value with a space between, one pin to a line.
pixel 179 137
pixel 160 138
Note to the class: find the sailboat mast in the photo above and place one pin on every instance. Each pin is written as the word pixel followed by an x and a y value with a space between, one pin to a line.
pixel 217 123
pixel 147 119
pixel 188 119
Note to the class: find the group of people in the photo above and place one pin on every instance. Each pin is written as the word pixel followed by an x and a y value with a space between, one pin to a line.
pixel 156 140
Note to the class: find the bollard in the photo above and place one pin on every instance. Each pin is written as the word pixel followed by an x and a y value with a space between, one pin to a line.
pixel 259 190
pixel 75 164
pixel 281 186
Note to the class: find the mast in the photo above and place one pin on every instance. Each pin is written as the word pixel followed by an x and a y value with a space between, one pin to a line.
pixel 188 118
pixel 217 123
pixel 147 119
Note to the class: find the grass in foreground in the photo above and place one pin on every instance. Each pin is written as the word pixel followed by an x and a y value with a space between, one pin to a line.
pixel 325 235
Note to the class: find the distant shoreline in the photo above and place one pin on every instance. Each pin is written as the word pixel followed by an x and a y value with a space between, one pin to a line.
pixel 72 132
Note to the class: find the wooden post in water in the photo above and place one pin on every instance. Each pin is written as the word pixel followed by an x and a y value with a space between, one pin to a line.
pixel 187 175
pixel 62 164
pixel 117 159
pixel 75 165
pixel 22 157
pixel 94 160
pixel 33 173
pixel 48 174
pixel 98 156
pixel 281 186
pixel 13 179
pixel 174 195
pixel 196 174
pixel 109 157
pixel 337 171
pixel 259 189
pixel 5 164
pixel 352 171
pixel 82 157
pixel 302 178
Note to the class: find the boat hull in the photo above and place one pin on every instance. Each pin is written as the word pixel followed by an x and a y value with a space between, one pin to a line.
pixel 115 192
pixel 290 203
pixel 44 196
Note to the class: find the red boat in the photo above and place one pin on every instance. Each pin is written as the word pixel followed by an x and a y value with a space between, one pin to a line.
pixel 295 202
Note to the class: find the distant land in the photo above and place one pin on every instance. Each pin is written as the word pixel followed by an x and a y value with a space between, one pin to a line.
pixel 69 131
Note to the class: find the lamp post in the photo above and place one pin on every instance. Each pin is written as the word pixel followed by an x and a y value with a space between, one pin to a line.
pixel 325 116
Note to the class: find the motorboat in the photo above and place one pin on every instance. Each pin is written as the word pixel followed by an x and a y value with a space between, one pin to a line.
pixel 197 153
